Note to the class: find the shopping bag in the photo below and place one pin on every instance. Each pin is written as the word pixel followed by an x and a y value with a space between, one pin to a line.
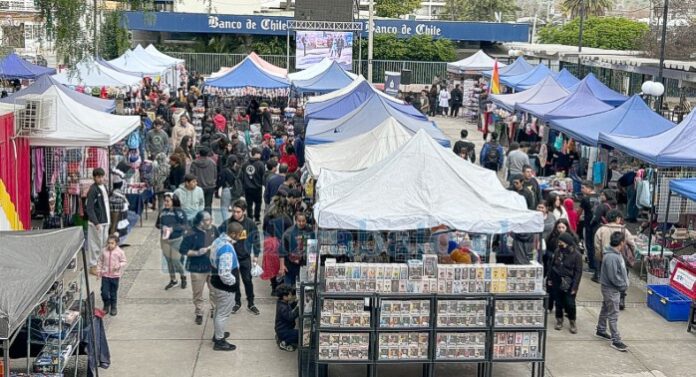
pixel 256 270
pixel 643 195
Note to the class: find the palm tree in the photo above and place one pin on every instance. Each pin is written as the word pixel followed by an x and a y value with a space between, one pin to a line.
pixel 592 7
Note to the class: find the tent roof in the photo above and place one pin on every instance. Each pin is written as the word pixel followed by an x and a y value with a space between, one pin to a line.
pixel 338 103
pixel 31 262
pixel 331 78
pixel 76 125
pixel 364 118
pixel 527 80
pixel 45 82
pixel 566 79
pixel 546 90
pixel 518 67
pixel 603 92
pixel 96 74
pixel 685 187
pixel 578 104
pixel 422 185
pixel 152 50
pixel 671 148
pixel 145 56
pixel 248 74
pixel 14 67
pixel 633 118
pixel 268 67
pixel 359 152
pixel 131 63
pixel 480 61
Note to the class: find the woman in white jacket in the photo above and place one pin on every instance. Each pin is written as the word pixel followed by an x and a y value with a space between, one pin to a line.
pixel 443 100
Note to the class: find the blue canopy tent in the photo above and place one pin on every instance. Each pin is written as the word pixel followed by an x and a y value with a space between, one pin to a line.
pixel 633 118
pixel 526 80
pixel 518 67
pixel 546 90
pixel 14 67
pixel 248 74
pixel 566 79
pixel 603 92
pixel 685 187
pixel 331 77
pixel 43 83
pixel 337 104
pixel 580 103
pixel 364 118
pixel 673 147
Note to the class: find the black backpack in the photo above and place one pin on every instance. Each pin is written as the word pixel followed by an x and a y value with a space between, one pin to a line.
pixel 492 154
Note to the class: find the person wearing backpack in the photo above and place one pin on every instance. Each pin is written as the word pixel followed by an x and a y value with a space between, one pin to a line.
pixel 492 154
pixel 231 186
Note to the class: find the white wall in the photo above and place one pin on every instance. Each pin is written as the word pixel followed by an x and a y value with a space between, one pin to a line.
pixel 220 6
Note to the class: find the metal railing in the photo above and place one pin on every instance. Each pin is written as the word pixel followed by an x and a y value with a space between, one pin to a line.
pixel 421 72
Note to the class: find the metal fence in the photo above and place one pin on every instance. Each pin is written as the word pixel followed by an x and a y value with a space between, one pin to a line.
pixel 421 72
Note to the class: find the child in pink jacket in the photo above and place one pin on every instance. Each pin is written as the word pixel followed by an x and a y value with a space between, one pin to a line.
pixel 110 266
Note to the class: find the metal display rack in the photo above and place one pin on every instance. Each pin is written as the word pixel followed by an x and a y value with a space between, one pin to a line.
pixel 310 353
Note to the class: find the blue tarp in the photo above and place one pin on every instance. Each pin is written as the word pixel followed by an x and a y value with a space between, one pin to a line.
pixel 579 104
pixel 248 75
pixel 518 67
pixel 364 118
pixel 14 67
pixel 330 79
pixel 674 147
pixel 545 91
pixel 526 80
pixel 43 83
pixel 603 92
pixel 633 118
pixel 343 104
pixel 566 79
pixel 685 187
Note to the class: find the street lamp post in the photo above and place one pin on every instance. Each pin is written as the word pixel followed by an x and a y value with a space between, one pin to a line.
pixel 370 39
pixel 659 79
pixel 582 21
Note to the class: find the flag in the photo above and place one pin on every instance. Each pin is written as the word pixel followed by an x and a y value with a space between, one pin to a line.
pixel 495 79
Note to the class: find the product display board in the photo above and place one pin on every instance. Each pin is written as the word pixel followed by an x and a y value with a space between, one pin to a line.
pixel 377 313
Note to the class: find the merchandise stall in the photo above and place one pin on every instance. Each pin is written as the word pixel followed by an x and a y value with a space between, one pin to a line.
pixel 46 82
pixel 176 72
pixel 87 75
pixel 601 91
pixel 419 309
pixel 252 80
pixel 526 80
pixel 473 65
pixel 44 303
pixel 566 79
pixel 684 272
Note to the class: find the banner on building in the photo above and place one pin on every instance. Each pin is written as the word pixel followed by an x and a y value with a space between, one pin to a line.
pixel 392 80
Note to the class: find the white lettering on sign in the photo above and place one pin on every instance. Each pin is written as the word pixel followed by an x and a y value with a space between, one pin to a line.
pixel 684 278
pixel 268 24
pixel 386 29
pixel 215 22
pixel 423 29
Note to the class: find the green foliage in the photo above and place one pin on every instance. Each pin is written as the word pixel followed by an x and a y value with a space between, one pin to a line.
pixel 395 8
pixel 418 48
pixel 615 33
pixel 479 10
pixel 592 7
pixel 113 38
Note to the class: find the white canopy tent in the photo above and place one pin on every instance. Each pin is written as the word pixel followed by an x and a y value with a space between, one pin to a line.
pixel 477 62
pixel 359 152
pixel 72 124
pixel 422 185
pixel 162 57
pixel 130 62
pixel 145 56
pixel 95 74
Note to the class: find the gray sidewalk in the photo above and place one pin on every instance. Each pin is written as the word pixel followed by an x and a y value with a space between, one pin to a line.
pixel 155 335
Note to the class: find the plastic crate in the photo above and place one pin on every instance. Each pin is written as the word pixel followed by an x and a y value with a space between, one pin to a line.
pixel 668 302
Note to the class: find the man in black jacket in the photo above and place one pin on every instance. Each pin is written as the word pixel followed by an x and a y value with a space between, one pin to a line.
pixel 248 248
pixel 98 214
pixel 252 180
pixel 457 99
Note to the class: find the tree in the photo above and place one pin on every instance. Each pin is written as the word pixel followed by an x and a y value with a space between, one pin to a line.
pixel 395 8
pixel 418 48
pixel 615 33
pixel 479 10
pixel 592 7
pixel 681 35
pixel 113 38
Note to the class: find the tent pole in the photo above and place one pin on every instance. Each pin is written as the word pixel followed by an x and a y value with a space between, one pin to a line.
pixel 6 357
pixel 669 202
pixel 90 314
pixel 652 212
pixel 287 52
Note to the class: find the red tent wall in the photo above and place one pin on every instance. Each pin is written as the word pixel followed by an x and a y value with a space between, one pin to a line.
pixel 15 169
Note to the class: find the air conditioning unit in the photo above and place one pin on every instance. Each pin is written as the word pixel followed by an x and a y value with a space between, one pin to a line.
pixel 34 117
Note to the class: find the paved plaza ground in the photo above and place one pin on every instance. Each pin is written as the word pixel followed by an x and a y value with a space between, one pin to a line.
pixel 155 334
